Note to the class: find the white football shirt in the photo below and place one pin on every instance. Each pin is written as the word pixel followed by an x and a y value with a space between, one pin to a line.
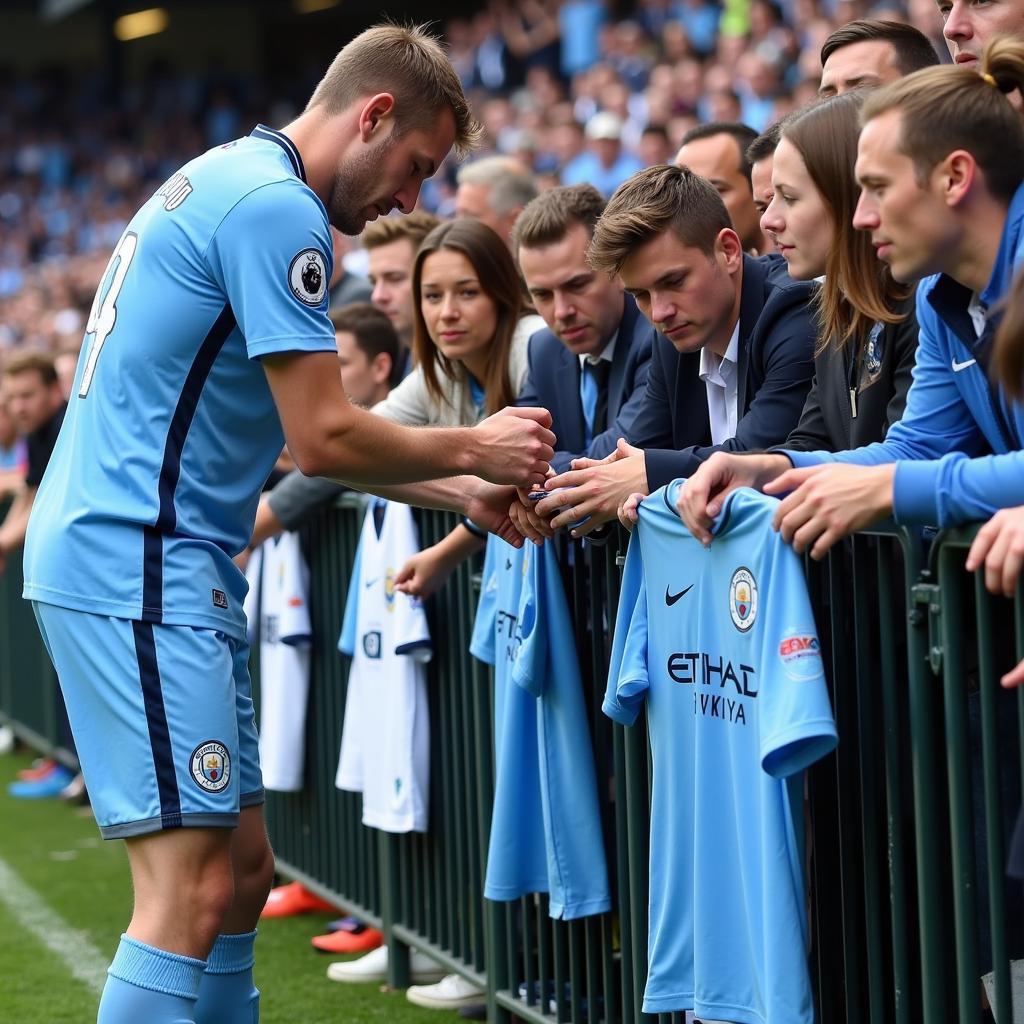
pixel 385 742
pixel 279 577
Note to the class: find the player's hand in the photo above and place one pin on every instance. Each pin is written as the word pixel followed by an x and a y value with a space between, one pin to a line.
pixel 488 506
pixel 596 491
pixel 424 574
pixel 514 446
pixel 999 545
pixel 701 497
pixel 629 511
pixel 830 502
pixel 526 520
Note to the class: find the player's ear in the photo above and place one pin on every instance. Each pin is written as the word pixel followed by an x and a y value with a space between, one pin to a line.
pixel 376 110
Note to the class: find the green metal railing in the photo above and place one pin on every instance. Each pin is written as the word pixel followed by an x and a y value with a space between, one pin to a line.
pixel 907 821
pixel 28 684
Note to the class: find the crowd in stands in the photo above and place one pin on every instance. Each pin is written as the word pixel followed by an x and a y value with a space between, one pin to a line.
pixel 568 91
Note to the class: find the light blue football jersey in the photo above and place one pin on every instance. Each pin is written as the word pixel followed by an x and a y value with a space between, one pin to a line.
pixel 172 429
pixel 546 827
pixel 721 645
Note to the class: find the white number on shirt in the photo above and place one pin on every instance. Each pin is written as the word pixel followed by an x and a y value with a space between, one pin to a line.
pixel 103 314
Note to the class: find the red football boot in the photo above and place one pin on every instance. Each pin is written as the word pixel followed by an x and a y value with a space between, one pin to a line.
pixel 39 769
pixel 361 941
pixel 294 898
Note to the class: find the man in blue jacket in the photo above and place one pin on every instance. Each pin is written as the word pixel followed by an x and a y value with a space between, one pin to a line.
pixel 945 206
pixel 733 359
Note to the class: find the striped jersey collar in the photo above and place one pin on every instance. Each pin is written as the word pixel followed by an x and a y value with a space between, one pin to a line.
pixel 261 131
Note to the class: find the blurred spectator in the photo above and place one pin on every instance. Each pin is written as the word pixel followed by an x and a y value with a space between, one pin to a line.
pixel 718 152
pixel 13 456
pixel 761 157
pixel 531 33
pixel 580 22
pixel 345 287
pixel 494 191
pixel 606 165
pixel 65 362
pixel 655 147
pixel 33 398
pixel 391 245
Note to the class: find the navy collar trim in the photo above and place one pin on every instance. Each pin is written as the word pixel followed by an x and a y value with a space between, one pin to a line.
pixel 261 131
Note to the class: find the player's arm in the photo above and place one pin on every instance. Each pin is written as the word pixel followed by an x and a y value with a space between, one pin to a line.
pixel 328 436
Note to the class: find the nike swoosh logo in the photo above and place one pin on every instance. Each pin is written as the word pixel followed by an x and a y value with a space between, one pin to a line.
pixel 957 367
pixel 370 583
pixel 670 599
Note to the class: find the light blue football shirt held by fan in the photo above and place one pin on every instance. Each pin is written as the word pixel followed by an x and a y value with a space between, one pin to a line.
pixel 720 645
pixel 546 827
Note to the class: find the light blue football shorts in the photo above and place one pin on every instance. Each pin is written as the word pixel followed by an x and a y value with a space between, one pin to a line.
pixel 162 717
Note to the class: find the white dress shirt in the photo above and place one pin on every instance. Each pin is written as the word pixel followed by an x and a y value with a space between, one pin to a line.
pixel 719 376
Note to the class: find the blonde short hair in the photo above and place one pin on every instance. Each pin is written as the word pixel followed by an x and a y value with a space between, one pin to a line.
pixel 409 63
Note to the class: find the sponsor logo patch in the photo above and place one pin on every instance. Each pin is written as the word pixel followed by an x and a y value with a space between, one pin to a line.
pixel 800 654
pixel 743 599
pixel 210 766
pixel 307 277
pixel 220 599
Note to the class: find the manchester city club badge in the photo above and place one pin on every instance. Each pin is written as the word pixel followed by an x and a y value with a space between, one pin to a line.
pixel 211 766
pixel 743 599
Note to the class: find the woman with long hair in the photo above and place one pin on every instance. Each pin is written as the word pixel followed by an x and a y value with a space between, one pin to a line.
pixel 867 328
pixel 471 327
pixel 472 321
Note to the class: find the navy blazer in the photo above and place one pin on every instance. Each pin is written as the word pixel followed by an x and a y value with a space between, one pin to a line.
pixel 553 383
pixel 775 367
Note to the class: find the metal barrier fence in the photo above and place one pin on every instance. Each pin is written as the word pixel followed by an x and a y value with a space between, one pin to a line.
pixel 908 820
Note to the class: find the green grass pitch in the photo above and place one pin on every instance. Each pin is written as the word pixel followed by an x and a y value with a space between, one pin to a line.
pixel 56 853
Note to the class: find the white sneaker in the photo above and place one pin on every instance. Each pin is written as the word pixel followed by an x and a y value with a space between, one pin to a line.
pixel 451 992
pixel 6 739
pixel 374 967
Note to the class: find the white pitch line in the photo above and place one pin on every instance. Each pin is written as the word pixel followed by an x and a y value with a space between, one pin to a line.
pixel 82 959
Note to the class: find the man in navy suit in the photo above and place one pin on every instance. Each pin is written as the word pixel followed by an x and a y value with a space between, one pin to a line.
pixel 589 367
pixel 732 363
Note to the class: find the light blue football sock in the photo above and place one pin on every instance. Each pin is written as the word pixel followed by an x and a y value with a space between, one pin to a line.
pixel 227 993
pixel 149 984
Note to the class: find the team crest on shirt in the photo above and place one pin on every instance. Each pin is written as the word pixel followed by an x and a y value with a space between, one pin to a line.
pixel 372 644
pixel 307 277
pixel 211 766
pixel 743 599
pixel 873 356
